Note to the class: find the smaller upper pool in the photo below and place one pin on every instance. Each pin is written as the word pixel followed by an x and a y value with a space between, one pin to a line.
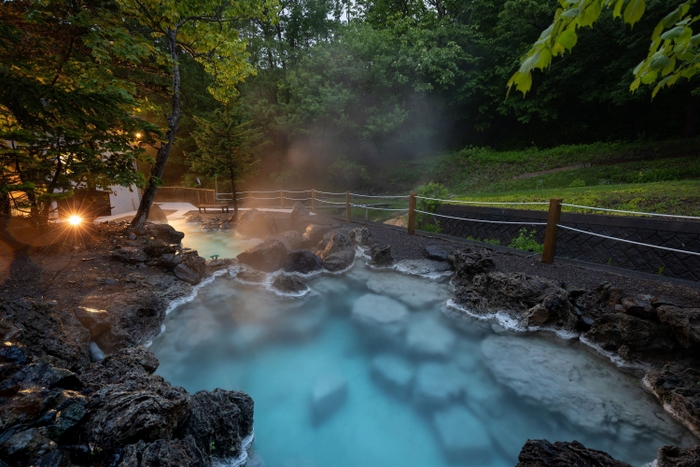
pixel 372 368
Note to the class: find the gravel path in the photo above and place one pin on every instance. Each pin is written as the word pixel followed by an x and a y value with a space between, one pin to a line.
pixel 572 273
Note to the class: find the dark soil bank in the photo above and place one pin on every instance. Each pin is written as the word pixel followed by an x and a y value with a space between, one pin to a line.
pixel 63 403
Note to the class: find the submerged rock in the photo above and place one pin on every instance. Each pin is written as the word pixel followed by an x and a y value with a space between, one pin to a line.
pixel 589 394
pixel 540 452
pixel 380 315
pixel 427 337
pixel 462 434
pixel 329 393
pixel 394 372
pixel 438 384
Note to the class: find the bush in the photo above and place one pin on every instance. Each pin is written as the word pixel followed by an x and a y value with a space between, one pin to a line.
pixel 526 241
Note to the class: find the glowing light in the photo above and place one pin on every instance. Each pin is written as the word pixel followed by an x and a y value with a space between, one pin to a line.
pixel 75 220
pixel 138 135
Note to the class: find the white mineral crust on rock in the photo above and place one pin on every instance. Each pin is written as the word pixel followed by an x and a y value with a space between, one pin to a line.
pixel 381 314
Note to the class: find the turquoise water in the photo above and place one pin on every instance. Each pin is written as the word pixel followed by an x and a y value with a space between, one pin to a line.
pixel 463 393
pixel 223 243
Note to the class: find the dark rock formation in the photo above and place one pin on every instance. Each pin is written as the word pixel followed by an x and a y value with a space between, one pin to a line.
pixel 674 456
pixel 336 250
pixel 676 385
pixel 96 321
pixel 302 261
pixel 438 252
pixel 468 263
pixel 158 247
pixel 533 300
pixel 289 284
pixel 218 421
pixel 129 255
pixel 164 453
pixel 247 274
pixel 381 255
pixel 360 236
pixel 314 234
pixel 45 332
pixel 541 453
pixel 684 323
pixel 268 256
pixel 291 239
pixel 163 232
pixel 632 337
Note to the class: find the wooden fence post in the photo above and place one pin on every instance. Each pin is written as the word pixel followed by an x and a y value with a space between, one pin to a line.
pixel 412 214
pixel 282 198
pixel 249 200
pixel 347 207
pixel 313 201
pixel 550 235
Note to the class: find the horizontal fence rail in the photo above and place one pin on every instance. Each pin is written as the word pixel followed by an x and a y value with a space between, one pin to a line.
pixel 666 244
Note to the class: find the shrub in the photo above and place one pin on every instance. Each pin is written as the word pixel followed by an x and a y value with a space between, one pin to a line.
pixel 526 241
pixel 430 190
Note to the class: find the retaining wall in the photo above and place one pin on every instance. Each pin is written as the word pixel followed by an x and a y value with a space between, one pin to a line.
pixel 682 235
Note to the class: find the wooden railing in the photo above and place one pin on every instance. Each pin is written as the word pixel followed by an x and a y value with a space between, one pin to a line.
pixel 177 194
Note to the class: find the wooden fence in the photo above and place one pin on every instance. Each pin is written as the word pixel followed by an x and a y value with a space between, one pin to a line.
pixel 176 194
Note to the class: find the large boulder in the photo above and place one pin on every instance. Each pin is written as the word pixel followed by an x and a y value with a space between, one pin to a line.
pixel 334 241
pixel 314 234
pixel 267 256
pixel 95 320
pixel 165 233
pixel 218 421
pixel 256 224
pixel 289 284
pixel 291 238
pixel 540 452
pixel 302 261
pixel 676 386
pixel 339 260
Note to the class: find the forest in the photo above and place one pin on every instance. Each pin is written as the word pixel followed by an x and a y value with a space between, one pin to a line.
pixel 375 94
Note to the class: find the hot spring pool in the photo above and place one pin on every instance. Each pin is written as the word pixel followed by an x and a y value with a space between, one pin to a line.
pixel 423 385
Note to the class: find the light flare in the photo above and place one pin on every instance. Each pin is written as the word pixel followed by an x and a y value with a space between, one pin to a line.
pixel 75 220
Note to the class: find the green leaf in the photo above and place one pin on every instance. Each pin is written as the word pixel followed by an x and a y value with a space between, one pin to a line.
pixel 634 11
pixel 659 62
pixel 695 40
pixel 617 9
pixel 672 18
pixel 568 39
pixel 572 13
pixel 689 73
pixel 649 77
pixel 591 14
pixel 668 69
pixel 673 33
pixel 530 63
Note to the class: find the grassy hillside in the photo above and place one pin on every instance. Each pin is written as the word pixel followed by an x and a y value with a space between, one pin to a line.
pixel 659 177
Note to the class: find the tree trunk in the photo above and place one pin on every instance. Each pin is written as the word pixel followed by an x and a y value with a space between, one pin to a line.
pixel 149 194
pixel 235 199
